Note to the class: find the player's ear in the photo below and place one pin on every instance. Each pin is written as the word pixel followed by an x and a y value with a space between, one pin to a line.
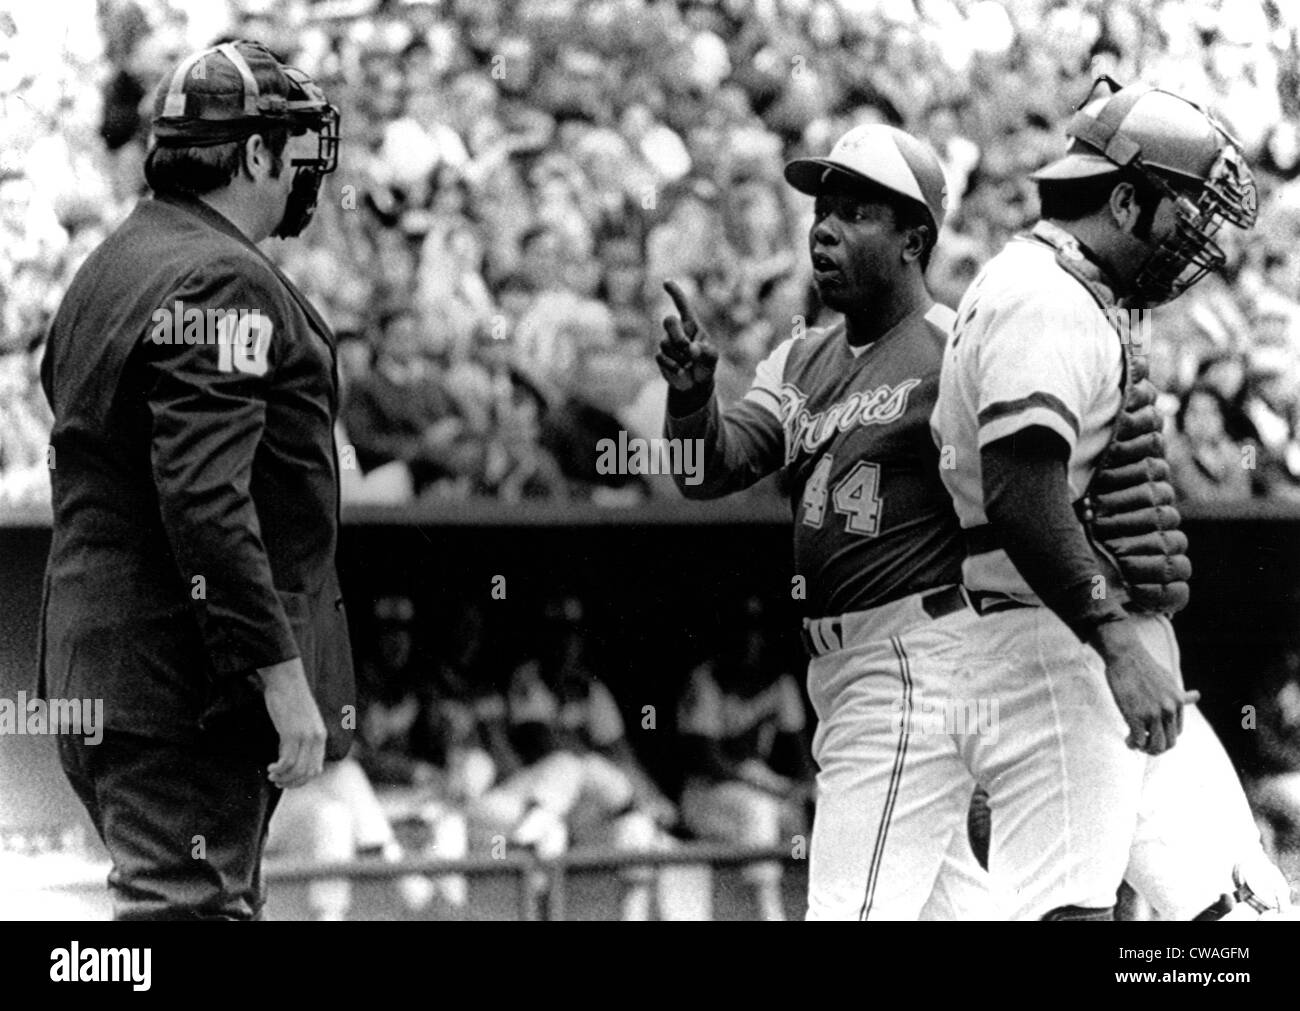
pixel 1123 206
pixel 915 239
pixel 248 152
pixel 256 156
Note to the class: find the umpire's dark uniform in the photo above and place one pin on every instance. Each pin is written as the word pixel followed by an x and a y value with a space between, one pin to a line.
pixel 195 491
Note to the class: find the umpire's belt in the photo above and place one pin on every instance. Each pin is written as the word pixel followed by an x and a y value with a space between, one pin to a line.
pixel 825 635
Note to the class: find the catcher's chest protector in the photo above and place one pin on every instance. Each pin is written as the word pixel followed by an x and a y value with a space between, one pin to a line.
pixel 1128 507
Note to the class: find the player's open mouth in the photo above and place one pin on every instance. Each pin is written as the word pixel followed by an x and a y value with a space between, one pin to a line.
pixel 825 270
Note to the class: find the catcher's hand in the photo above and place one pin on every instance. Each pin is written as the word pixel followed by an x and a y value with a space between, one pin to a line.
pixel 686 357
pixel 1147 694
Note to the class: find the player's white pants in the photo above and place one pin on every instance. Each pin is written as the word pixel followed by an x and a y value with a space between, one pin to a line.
pixel 889 833
pixel 1064 788
pixel 1194 824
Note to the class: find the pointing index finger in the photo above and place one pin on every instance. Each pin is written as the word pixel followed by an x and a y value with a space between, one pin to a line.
pixel 683 308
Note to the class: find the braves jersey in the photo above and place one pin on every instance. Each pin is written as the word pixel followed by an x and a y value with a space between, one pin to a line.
pixel 850 429
pixel 1030 347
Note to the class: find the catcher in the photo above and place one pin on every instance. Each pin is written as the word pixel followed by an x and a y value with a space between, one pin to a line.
pixel 1059 480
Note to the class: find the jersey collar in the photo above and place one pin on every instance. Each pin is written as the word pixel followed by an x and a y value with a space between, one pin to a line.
pixel 857 351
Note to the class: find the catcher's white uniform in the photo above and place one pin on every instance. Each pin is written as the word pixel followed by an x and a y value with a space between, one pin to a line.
pixel 1074 810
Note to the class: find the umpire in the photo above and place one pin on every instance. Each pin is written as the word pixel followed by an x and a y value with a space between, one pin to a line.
pixel 191 580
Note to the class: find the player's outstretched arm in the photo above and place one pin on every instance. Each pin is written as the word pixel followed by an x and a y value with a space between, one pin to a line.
pixel 730 449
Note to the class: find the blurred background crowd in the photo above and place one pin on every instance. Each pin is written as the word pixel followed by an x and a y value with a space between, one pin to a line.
pixel 518 179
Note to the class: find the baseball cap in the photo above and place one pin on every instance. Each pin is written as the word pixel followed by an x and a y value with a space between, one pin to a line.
pixel 883 155
pixel 222 94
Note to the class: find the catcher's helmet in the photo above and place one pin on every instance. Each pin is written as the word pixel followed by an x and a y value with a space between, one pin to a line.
pixel 1179 149
pixel 882 155
pixel 234 90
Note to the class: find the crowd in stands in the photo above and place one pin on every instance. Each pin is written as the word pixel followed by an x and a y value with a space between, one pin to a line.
pixel 518 179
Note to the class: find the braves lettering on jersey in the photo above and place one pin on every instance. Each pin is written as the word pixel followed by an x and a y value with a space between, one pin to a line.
pixel 1030 347
pixel 850 428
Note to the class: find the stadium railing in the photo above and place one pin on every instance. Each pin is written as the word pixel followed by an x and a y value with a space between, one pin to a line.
pixel 541 882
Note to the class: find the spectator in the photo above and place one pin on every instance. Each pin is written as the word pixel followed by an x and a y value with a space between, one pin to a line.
pixel 579 779
pixel 416 745
pixel 1275 792
pixel 1271 402
pixel 738 717
pixel 24 432
pixel 402 412
pixel 1207 464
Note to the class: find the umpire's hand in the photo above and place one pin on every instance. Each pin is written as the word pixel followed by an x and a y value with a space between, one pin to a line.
pixel 686 357
pixel 293 710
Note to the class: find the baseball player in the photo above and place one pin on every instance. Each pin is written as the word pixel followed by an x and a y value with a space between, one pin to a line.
pixel 579 782
pixel 844 412
pixel 737 718
pixel 191 581
pixel 1050 448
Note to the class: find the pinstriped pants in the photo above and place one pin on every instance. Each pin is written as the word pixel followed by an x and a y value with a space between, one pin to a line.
pixel 889 834
pixel 897 770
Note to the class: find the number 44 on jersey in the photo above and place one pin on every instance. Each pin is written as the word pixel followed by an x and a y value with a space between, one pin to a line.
pixel 854 497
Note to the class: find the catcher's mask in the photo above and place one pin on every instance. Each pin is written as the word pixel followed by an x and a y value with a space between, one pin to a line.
pixel 1180 151
pixel 214 97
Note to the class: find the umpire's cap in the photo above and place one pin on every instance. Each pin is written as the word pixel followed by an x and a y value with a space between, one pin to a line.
pixel 882 155
pixel 235 89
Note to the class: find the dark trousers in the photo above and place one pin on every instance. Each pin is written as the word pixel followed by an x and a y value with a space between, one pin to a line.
pixel 184 824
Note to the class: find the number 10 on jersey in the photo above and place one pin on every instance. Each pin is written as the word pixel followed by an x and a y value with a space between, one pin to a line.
pixel 854 497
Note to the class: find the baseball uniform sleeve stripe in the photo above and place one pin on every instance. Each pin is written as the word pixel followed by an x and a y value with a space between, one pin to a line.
pixel 765 398
pixel 895 780
pixel 1037 349
pixel 815 630
pixel 1010 416
pixel 765 390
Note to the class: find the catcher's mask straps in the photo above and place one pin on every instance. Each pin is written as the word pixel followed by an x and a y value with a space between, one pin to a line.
pixel 1080 913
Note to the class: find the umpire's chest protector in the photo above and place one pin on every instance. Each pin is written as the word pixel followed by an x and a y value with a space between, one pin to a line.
pixel 194 483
